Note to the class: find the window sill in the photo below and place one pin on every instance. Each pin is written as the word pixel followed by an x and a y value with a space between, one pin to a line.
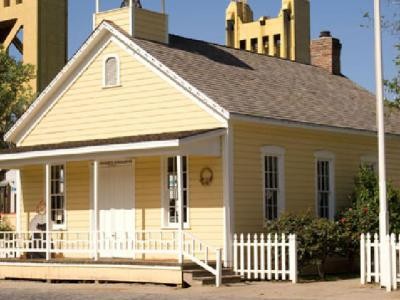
pixel 111 86
pixel 173 227
pixel 59 228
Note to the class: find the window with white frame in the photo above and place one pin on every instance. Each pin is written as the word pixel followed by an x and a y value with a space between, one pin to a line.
pixel 325 184
pixel 171 201
pixel 57 195
pixel 111 71
pixel 273 178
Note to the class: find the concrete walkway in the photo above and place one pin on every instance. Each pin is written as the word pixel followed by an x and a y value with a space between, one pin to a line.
pixel 344 289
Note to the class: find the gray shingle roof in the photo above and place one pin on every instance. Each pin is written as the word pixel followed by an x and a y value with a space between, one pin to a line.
pixel 177 135
pixel 251 84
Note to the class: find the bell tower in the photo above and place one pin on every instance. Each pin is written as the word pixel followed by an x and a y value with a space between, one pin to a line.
pixel 37 29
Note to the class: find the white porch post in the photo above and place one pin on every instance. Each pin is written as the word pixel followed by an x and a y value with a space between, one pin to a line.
pixel 48 211
pixel 179 165
pixel 95 232
pixel 227 154
pixel 18 191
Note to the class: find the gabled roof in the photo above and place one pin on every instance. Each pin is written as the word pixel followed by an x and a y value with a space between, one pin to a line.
pixel 237 82
pixel 250 84
pixel 72 71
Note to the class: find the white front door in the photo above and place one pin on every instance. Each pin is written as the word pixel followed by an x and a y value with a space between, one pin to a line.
pixel 116 208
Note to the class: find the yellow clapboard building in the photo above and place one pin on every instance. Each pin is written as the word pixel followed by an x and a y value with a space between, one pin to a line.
pixel 149 149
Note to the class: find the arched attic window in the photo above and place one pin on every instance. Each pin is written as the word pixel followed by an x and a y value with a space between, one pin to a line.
pixel 111 71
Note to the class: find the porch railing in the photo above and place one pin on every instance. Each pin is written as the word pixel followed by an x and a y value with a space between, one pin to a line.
pixel 66 242
pixel 112 244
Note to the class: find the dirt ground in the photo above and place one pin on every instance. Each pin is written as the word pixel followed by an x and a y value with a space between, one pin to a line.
pixel 343 289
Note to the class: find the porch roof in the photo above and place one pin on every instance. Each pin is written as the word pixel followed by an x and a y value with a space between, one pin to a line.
pixel 183 142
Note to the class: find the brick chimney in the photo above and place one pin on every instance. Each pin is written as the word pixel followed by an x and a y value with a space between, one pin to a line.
pixel 325 53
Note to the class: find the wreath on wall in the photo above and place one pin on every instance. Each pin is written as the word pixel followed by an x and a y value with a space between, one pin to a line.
pixel 206 176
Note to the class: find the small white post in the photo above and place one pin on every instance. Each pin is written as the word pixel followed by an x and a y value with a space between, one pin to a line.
pixel 386 272
pixel 293 258
pixel 235 253
pixel 97 6
pixel 276 257
pixel 18 191
pixel 242 254
pixel 255 251
pixel 369 258
pixel 179 163
pixel 394 261
pixel 262 252
pixel 269 257
pixel 218 277
pixel 283 255
pixel 377 260
pixel 48 211
pixel 96 210
pixel 248 256
pixel 362 258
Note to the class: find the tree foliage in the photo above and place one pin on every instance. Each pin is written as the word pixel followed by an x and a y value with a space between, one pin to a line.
pixel 15 91
pixel 363 215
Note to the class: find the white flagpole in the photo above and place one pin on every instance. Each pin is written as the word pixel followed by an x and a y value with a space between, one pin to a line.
pixel 383 210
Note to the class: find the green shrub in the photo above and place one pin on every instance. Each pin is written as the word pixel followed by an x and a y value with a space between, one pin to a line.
pixel 363 215
pixel 317 238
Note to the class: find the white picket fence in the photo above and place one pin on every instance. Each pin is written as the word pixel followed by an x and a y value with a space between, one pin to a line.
pixel 166 243
pixel 370 256
pixel 265 257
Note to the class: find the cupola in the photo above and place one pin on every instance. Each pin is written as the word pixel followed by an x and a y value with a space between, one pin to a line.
pixel 135 20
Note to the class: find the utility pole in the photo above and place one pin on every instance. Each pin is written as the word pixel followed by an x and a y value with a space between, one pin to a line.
pixel 385 252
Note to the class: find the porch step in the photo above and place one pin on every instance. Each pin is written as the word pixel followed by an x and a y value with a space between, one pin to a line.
pixel 195 275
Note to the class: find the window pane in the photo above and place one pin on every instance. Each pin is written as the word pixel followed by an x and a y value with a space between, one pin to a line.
pixel 172 186
pixel 111 71
pixel 271 187
pixel 324 188
pixel 57 197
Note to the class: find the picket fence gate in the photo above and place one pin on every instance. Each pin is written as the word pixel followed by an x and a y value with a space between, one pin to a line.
pixel 265 257
pixel 370 257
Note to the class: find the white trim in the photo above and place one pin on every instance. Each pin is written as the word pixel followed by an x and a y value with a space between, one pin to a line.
pixel 227 164
pixel 63 226
pixel 164 193
pixel 48 209
pixel 329 157
pixel 90 150
pixel 279 152
pixel 118 66
pixel 105 26
pixel 303 125
pixel 18 187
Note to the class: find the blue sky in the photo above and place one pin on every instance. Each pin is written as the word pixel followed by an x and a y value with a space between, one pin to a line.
pixel 204 19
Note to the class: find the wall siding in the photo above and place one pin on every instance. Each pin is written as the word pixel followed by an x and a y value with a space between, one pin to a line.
pixel 143 104
pixel 300 145
pixel 205 203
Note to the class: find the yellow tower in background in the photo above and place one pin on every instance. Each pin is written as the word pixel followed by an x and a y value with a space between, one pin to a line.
pixel 286 36
pixel 38 30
